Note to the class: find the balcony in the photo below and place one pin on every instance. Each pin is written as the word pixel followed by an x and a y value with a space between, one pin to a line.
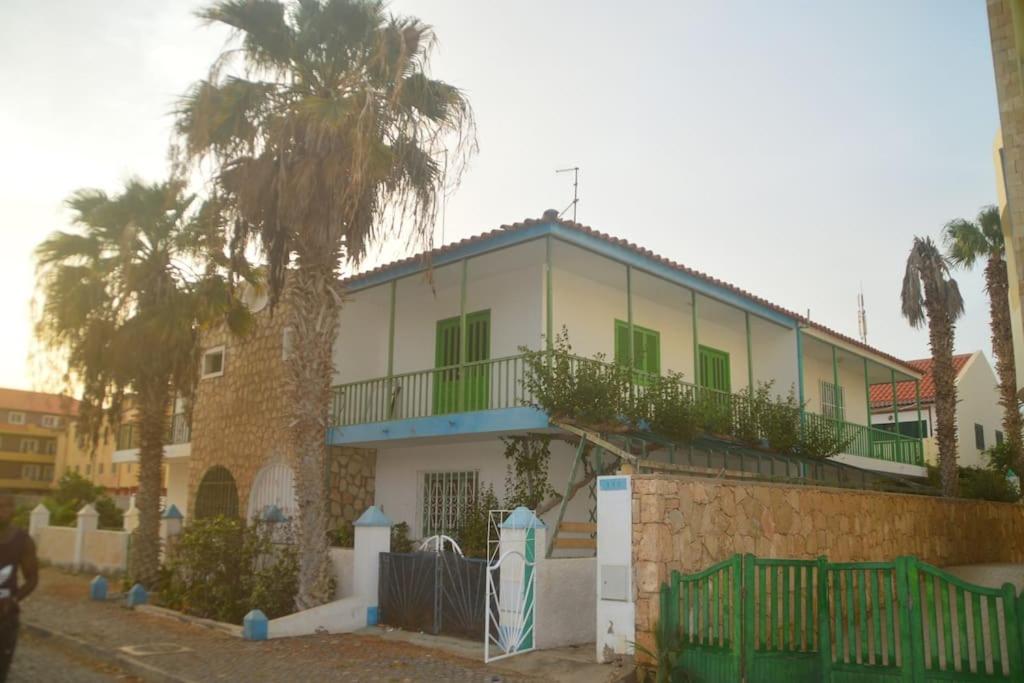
pixel 178 432
pixel 497 384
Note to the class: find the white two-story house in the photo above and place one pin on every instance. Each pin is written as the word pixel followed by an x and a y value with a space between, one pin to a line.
pixel 400 363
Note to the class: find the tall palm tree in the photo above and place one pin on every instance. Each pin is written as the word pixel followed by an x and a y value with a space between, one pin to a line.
pixel 124 303
pixel 967 242
pixel 326 137
pixel 931 295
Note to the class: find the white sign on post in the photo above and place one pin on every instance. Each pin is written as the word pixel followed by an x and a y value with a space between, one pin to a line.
pixel 616 613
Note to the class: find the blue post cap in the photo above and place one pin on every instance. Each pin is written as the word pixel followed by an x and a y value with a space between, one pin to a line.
pixel 98 588
pixel 136 596
pixel 374 516
pixel 172 512
pixel 272 513
pixel 522 518
pixel 254 625
pixel 372 616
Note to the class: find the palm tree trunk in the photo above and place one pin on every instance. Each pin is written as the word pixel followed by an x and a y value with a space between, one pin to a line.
pixel 313 298
pixel 154 400
pixel 997 285
pixel 940 337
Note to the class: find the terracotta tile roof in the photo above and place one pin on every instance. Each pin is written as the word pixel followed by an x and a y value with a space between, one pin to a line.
pixel 428 257
pixel 38 402
pixel 881 394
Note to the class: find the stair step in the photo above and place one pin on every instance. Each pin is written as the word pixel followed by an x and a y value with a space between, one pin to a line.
pixel 577 528
pixel 575 544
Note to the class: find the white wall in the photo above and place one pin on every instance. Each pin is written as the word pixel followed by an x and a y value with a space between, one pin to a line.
pixel 400 471
pixel 566 604
pixel 977 403
pixel 177 484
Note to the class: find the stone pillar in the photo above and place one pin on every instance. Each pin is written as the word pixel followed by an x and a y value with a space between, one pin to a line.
pixel 616 610
pixel 88 520
pixel 522 542
pixel 38 519
pixel 372 537
pixel 131 517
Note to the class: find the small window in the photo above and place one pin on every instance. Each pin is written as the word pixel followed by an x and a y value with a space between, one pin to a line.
pixel 113 468
pixel 78 469
pixel 99 469
pixel 34 472
pixel 999 438
pixel 50 421
pixel 16 418
pixel 29 445
pixel 213 363
pixel 88 468
pixel 979 437
pixel 646 348
pixel 833 401
pixel 447 497
pixel 50 447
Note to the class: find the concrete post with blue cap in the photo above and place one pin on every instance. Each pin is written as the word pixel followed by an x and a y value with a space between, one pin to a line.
pixel 524 535
pixel 88 521
pixel 171 522
pixel 372 537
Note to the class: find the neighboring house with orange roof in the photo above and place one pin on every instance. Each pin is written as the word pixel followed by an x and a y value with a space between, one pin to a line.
pixel 979 416
pixel 36 433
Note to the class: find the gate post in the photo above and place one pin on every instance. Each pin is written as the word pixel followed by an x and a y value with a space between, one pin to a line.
pixel 616 608
pixel 522 532
pixel 824 624
pixel 372 537
pixel 911 644
pixel 1012 620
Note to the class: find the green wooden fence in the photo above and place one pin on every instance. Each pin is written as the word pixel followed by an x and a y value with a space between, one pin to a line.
pixel 757 619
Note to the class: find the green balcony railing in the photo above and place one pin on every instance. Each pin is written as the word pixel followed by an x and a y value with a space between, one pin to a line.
pixel 498 383
pixel 178 431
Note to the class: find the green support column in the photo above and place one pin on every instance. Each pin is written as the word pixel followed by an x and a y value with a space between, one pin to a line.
pixel 800 373
pixel 867 402
pixel 917 399
pixel 696 344
pixel 391 349
pixel 549 295
pixel 629 314
pixel 835 384
pixel 895 405
pixel 462 336
pixel 750 356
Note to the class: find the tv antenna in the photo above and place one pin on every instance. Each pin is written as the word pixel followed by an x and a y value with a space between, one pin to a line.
pixel 862 316
pixel 575 170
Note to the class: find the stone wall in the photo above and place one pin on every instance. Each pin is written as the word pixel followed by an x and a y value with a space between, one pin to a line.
pixel 239 422
pixel 688 524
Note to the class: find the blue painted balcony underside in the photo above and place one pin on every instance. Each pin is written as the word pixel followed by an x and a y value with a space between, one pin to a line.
pixel 476 422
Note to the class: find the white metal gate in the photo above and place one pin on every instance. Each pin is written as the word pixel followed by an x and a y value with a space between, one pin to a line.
pixel 274 485
pixel 511 589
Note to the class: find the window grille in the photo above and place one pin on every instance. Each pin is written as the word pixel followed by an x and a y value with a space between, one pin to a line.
pixel 446 498
pixel 999 438
pixel 979 437
pixel 833 400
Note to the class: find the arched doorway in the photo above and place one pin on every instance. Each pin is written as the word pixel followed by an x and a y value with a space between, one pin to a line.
pixel 217 494
pixel 274 485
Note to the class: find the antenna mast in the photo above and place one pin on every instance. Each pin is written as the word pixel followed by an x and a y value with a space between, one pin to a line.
pixel 575 170
pixel 862 316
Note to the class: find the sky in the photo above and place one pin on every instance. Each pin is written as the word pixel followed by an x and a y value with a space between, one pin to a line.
pixel 791 148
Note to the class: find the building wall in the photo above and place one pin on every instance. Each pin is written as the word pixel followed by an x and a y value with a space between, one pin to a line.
pixel 689 524
pixel 977 403
pixel 401 470
pixel 1010 162
pixel 238 422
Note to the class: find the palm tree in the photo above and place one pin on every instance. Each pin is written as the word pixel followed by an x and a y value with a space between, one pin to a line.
pixel 124 305
pixel 327 139
pixel 966 242
pixel 931 294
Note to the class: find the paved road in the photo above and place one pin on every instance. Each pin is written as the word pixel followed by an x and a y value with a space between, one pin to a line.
pixel 39 659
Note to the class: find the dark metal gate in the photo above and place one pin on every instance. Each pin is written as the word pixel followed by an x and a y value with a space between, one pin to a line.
pixel 433 592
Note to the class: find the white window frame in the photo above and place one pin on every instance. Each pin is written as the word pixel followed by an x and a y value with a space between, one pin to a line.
pixel 32 472
pixel 212 352
pixel 27 441
pixel 443 479
pixel 50 421
pixel 15 417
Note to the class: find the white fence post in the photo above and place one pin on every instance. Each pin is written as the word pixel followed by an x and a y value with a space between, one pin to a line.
pixel 372 537
pixel 131 518
pixel 88 520
pixel 38 519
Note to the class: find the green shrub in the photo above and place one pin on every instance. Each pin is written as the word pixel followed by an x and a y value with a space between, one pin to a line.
pixel 400 542
pixel 526 475
pixel 472 535
pixel 73 492
pixel 343 536
pixel 221 568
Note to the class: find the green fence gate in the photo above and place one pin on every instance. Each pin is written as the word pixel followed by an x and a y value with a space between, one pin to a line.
pixel 757 619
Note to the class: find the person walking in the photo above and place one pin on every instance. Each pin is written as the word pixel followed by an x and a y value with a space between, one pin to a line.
pixel 17 551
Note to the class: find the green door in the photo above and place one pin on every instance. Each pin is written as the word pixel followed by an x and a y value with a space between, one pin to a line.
pixel 717 400
pixel 646 350
pixel 449 376
pixel 714 369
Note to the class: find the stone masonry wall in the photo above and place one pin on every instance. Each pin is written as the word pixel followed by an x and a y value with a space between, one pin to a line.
pixel 238 422
pixel 689 524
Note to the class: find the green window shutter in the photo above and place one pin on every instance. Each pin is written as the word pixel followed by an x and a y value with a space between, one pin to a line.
pixel 622 342
pixel 714 369
pixel 652 353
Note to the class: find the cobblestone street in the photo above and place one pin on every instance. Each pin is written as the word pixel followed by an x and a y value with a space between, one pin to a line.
pixel 195 653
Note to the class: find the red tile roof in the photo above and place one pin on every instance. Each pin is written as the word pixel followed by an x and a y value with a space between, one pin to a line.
pixel 881 394
pixel 37 402
pixel 430 256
